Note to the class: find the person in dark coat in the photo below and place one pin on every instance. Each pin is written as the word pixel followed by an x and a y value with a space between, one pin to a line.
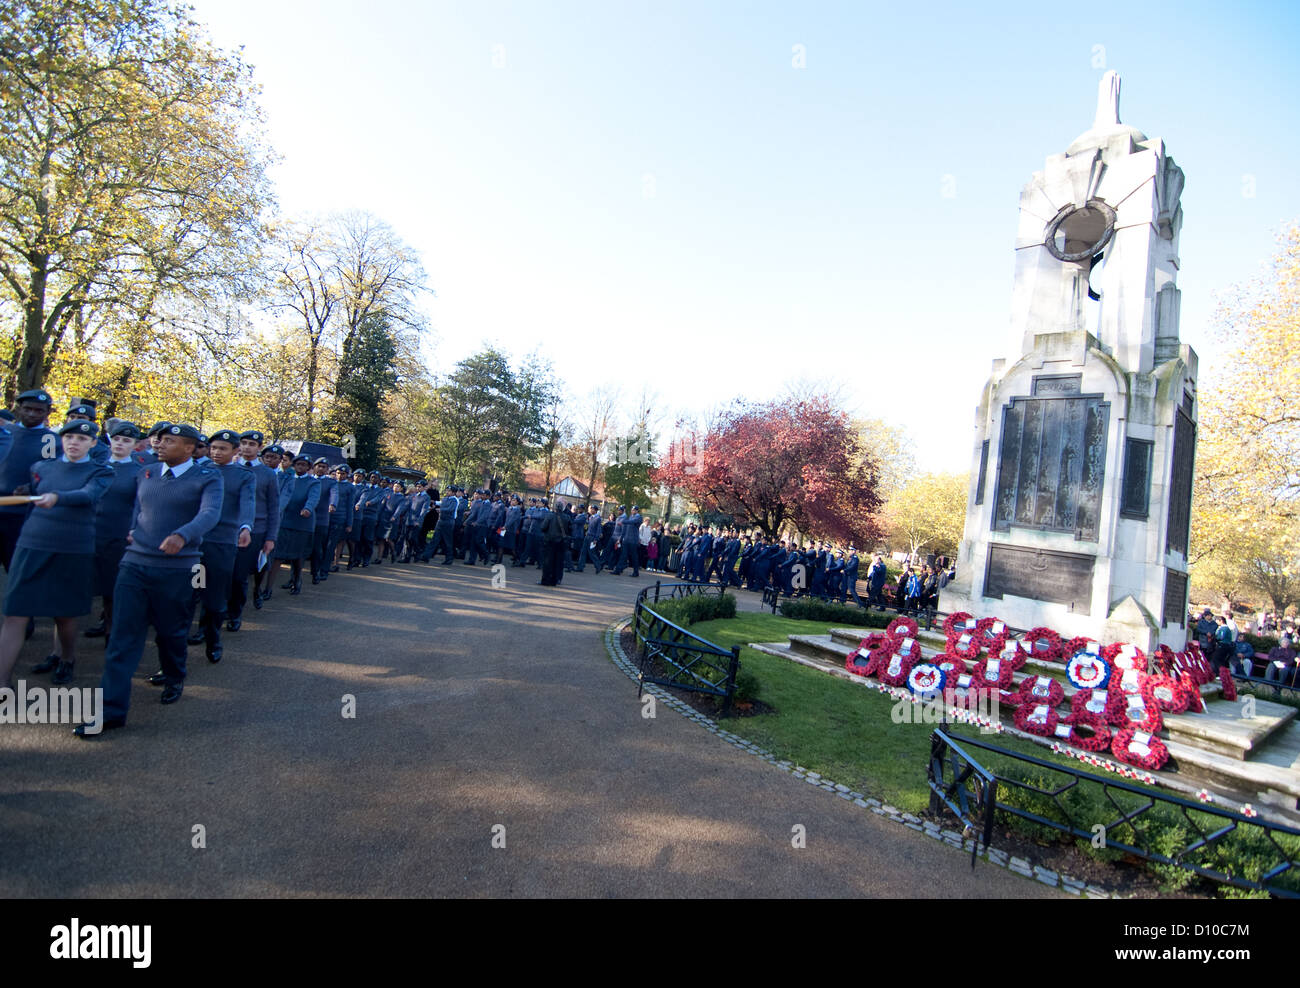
pixel 233 531
pixel 23 443
pixel 298 523
pixel 177 502
pixel 113 519
pixel 266 525
pixel 553 532
pixel 51 572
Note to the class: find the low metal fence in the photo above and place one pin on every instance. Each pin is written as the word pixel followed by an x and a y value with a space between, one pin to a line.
pixel 1157 827
pixel 672 656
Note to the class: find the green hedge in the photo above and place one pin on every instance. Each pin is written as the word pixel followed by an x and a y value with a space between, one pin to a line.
pixel 811 609
pixel 685 611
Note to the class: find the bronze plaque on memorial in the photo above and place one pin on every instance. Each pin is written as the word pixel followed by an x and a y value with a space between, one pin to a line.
pixel 1040 574
pixel 1175 597
pixel 1051 464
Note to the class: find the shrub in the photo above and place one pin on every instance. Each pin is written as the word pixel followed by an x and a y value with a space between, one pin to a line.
pixel 685 611
pixel 810 609
pixel 1260 643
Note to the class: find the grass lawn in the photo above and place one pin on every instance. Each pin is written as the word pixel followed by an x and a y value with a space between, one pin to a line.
pixel 845 732
pixel 840 729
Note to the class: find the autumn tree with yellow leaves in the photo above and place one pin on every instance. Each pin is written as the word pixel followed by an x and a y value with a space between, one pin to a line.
pixel 1246 506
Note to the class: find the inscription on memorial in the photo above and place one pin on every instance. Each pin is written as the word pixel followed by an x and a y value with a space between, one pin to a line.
pixel 1136 489
pixel 984 469
pixel 1051 464
pixel 1178 529
pixel 1175 597
pixel 1040 574
pixel 1050 385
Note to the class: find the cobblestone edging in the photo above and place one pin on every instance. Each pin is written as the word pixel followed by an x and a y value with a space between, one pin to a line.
pixel 952 838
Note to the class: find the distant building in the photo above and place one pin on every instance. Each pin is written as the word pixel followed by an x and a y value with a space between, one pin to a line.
pixel 568 487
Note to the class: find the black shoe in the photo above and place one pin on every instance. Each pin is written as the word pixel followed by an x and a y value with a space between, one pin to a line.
pixel 196 638
pixel 234 624
pixel 378 561
pixel 315 579
pixel 48 664
pixel 287 586
pixel 335 569
pixel 297 589
pixel 266 594
pixel 257 602
pixel 157 679
pixel 213 653
pixel 109 724
pixel 171 694
pixel 64 674
pixel 98 631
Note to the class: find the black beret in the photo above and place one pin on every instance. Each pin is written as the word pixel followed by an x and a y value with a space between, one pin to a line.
pixel 274 448
pixel 124 429
pixel 184 431
pixel 225 436
pixel 320 459
pixel 252 434
pixel 304 459
pixel 87 410
pixel 159 427
pixel 36 394
pixel 80 427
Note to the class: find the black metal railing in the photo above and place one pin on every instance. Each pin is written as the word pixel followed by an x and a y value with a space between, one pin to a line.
pixel 1259 683
pixel 670 655
pixel 1157 827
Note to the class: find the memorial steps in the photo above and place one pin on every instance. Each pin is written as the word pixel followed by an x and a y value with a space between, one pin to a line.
pixel 1240 759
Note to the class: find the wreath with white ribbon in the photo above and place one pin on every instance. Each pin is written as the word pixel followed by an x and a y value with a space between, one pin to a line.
pixel 1140 748
pixel 1040 689
pixel 1087 671
pixel 1170 695
pixel 894 667
pixel 1037 718
pixel 926 679
pixel 902 627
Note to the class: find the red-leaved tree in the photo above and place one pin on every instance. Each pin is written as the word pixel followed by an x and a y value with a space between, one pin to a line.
pixel 797 462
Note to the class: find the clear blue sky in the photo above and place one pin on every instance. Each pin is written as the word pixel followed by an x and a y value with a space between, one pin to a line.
pixel 653 190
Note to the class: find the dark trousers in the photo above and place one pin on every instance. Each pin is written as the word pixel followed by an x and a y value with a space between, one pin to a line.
pixel 475 544
pixel 245 566
pixel 443 541
pixel 532 548
pixel 590 551
pixel 321 556
pixel 629 555
pixel 144 596
pixel 219 568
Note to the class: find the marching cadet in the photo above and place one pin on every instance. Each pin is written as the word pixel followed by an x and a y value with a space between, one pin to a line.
pixel 590 540
pixel 476 529
pixel 52 565
pixel 177 503
pixel 297 523
pixel 23 443
pixel 513 525
pixel 153 437
pixel 357 541
pixel 577 533
pixel 612 543
pixel 851 577
pixel 320 557
pixel 369 507
pixel 342 499
pixel 496 524
pixel 631 539
pixel 273 457
pixel 113 519
pixel 400 506
pixel 462 511
pixel 266 525
pixel 84 411
pixel 232 532
pixel 420 505
pixel 444 532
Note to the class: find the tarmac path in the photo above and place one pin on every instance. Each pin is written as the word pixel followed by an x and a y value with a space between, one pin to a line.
pixel 473 707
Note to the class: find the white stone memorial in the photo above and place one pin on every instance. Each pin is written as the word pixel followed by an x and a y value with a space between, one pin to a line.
pixel 1079 507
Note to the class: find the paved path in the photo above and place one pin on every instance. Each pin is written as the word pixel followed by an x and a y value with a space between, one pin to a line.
pixel 474 707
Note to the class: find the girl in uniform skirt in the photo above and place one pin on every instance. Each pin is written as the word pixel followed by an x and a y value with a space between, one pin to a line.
pixel 53 564
pixel 298 522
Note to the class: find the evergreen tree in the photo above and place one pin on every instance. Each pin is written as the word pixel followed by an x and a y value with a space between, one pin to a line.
pixel 367 376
